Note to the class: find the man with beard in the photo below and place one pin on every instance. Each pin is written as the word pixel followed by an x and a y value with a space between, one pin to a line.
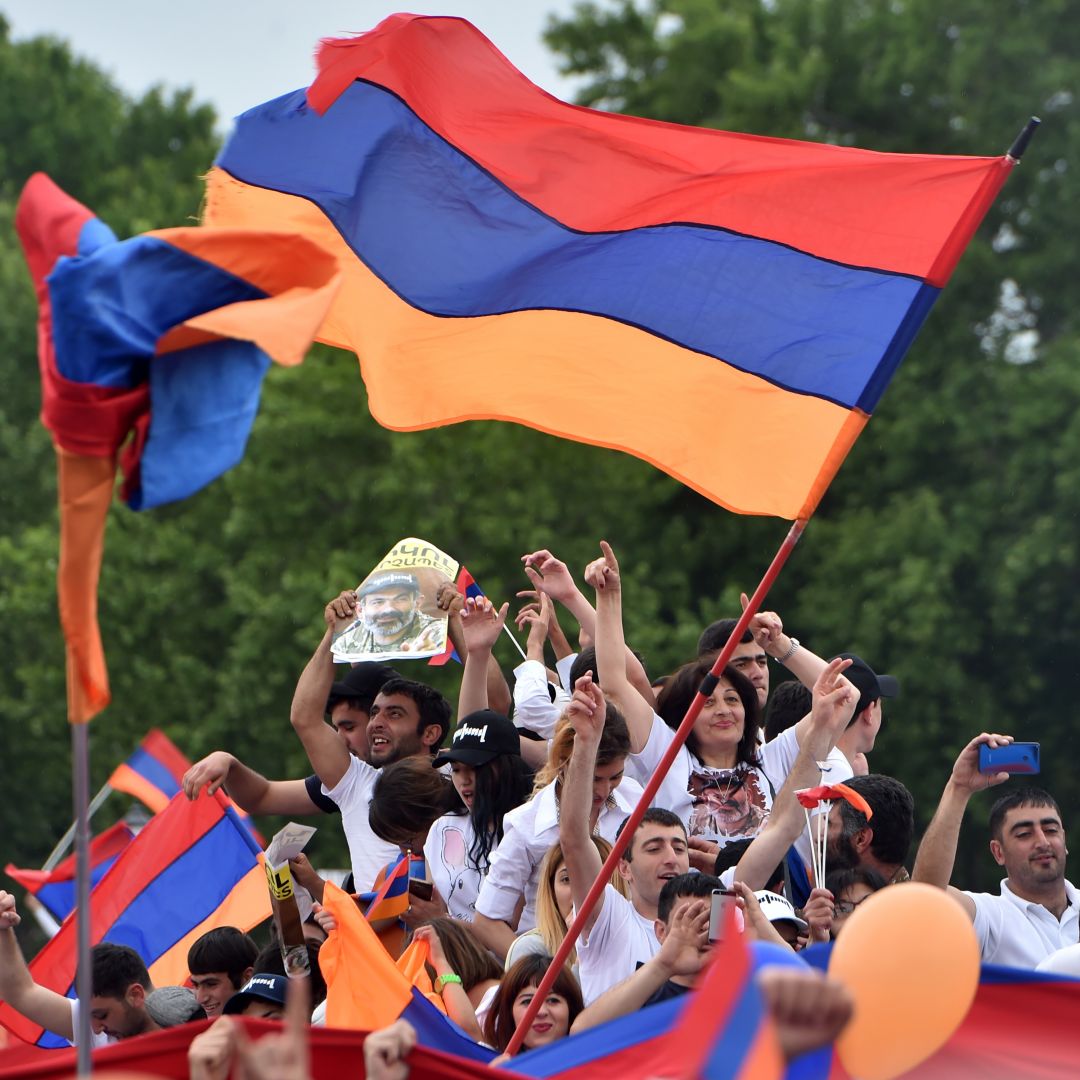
pixel 1037 911
pixel 389 619
pixel 406 719
pixel 883 842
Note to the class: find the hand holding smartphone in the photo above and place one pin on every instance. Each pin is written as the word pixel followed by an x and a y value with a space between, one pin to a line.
pixel 1021 758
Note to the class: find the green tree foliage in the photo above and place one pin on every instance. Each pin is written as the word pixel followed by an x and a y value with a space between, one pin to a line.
pixel 946 547
pixel 944 551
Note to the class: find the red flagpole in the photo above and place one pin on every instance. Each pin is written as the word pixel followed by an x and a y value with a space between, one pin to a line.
pixel 623 839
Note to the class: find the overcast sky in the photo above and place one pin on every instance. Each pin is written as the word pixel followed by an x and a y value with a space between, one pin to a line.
pixel 238 53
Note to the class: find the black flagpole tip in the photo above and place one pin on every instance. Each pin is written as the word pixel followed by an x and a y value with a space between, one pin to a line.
pixel 1016 151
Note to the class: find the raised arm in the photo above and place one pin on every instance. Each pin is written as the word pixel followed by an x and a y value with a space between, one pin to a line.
pixel 586 714
pixel 451 601
pixel 937 852
pixel 768 631
pixel 17 987
pixel 481 625
pixel 251 791
pixel 328 754
pixel 834 703
pixel 603 575
pixel 551 576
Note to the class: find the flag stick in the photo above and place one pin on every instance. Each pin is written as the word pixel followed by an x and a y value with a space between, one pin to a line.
pixel 573 931
pixel 64 843
pixel 517 644
pixel 80 769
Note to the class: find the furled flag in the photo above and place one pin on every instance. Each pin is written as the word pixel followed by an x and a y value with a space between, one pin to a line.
pixel 678 293
pixel 55 889
pixel 466 584
pixel 191 869
pixel 160 341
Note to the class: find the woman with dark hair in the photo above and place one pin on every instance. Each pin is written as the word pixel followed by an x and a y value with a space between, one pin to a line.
pixel 559 1010
pixel 721 782
pixel 490 779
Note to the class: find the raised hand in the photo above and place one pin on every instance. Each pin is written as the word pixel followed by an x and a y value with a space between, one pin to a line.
pixel 211 772
pixel 550 575
pixel 449 599
pixel 341 611
pixel 834 699
pixel 765 625
pixel 603 573
pixel 808 1009
pixel 587 709
pixel 9 917
pixel 481 623
pixel 965 773
pixel 818 912
pixel 537 616
pixel 687 936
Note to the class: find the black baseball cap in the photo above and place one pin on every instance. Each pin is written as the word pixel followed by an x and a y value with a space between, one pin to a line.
pixel 479 738
pixel 870 685
pixel 363 682
pixel 388 580
pixel 260 987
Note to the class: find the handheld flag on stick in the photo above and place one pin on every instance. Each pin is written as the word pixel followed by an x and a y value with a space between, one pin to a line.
pixel 489 231
pixel 219 307
pixel 192 868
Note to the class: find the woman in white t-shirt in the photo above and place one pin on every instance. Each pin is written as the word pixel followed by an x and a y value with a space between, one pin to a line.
pixel 721 781
pixel 490 779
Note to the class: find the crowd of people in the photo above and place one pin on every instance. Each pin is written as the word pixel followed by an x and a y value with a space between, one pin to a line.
pixel 515 808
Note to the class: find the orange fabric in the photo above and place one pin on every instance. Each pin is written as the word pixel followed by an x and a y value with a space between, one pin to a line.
pixel 569 374
pixel 85 491
pixel 411 964
pixel 124 778
pixel 245 907
pixel 364 988
pixel 300 278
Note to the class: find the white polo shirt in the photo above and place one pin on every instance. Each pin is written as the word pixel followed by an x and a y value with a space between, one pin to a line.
pixel 1019 933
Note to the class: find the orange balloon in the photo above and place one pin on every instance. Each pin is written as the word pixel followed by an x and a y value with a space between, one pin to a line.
pixel 910 959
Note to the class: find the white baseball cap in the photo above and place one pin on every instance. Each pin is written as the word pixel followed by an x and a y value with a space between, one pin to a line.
pixel 777 908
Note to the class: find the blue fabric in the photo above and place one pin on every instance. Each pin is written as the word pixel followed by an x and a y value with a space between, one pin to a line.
pixel 203 403
pixel 119 301
pixel 451 240
pixel 152 770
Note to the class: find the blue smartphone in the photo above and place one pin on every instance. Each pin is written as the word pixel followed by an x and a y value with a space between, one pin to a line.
pixel 1017 757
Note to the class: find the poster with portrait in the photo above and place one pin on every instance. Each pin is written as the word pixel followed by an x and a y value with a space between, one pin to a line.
pixel 396 614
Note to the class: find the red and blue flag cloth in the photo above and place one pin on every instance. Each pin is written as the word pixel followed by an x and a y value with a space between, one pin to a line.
pixel 686 293
pixel 389 896
pixel 153 350
pixel 153 773
pixel 55 889
pixel 465 584
pixel 194 867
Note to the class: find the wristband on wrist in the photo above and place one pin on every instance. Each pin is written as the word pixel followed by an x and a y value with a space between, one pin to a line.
pixel 442 981
pixel 791 651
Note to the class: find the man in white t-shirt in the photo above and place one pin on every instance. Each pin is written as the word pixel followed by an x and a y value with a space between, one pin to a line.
pixel 618 933
pixel 407 719
pixel 119 980
pixel 1037 911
